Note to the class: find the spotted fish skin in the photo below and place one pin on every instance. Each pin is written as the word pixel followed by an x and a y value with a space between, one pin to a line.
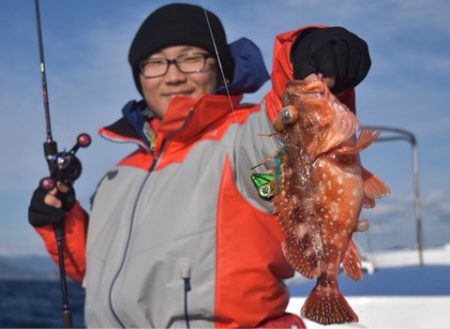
pixel 322 191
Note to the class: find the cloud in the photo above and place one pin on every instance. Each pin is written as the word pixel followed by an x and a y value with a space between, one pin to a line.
pixel 393 222
pixel 440 202
pixel 89 80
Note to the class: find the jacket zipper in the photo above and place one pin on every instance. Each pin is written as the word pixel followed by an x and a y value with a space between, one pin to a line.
pixel 122 263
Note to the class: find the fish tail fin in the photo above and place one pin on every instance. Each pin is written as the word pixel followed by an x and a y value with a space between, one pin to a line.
pixel 327 307
pixel 352 262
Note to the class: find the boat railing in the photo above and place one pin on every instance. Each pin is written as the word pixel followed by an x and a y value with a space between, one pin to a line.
pixel 389 134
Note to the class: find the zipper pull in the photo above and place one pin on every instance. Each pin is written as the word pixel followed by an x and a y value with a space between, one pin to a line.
pixel 152 142
pixel 186 276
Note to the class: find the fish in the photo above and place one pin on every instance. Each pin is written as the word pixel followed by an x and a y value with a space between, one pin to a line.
pixel 320 191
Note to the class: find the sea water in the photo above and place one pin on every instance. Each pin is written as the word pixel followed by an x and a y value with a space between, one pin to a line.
pixel 38 304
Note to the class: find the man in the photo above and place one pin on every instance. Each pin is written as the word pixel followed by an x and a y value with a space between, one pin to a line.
pixel 177 234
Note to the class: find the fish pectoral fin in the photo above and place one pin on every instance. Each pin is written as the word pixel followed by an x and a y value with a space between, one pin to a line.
pixel 298 258
pixel 365 138
pixel 352 262
pixel 374 187
pixel 368 202
pixel 275 134
pixel 273 157
pixel 343 127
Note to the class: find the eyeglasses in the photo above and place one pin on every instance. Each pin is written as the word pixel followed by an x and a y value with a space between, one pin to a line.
pixel 157 67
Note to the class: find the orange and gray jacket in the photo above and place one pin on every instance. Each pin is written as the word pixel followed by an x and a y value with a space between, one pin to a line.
pixel 177 231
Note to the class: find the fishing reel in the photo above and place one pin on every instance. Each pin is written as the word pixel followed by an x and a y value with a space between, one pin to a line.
pixel 64 166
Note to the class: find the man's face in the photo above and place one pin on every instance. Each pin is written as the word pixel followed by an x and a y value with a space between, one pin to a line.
pixel 159 91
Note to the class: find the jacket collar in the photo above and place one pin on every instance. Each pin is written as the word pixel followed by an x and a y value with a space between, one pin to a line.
pixel 132 127
pixel 184 119
pixel 187 117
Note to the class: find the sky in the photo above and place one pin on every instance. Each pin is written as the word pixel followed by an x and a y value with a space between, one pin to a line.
pixel 86 45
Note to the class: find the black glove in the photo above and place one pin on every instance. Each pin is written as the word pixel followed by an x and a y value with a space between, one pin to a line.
pixel 334 52
pixel 41 214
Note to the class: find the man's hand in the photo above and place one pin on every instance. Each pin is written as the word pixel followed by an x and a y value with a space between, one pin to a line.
pixel 49 207
pixel 334 52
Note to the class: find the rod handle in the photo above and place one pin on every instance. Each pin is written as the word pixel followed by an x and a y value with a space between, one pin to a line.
pixel 67 319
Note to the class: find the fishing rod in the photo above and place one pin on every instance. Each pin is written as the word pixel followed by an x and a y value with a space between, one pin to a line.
pixel 64 167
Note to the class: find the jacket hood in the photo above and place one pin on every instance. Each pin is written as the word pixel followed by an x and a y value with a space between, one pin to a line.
pixel 250 72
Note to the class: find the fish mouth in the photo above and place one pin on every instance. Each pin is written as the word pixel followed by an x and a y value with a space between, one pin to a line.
pixel 309 94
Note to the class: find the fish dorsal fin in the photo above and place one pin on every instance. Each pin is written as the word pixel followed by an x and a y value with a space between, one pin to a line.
pixel 345 124
pixel 352 262
pixel 374 187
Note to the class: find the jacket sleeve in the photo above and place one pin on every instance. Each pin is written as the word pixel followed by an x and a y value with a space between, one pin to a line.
pixel 251 147
pixel 74 247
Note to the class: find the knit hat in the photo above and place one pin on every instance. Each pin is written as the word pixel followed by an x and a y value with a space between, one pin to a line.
pixel 179 24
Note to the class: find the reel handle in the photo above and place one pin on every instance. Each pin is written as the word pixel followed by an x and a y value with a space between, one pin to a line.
pixel 64 166
pixel 47 183
pixel 84 140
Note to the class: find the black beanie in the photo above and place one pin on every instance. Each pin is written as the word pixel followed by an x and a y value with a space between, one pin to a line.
pixel 179 24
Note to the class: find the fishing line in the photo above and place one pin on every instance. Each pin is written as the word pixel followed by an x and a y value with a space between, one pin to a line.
pixel 216 50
